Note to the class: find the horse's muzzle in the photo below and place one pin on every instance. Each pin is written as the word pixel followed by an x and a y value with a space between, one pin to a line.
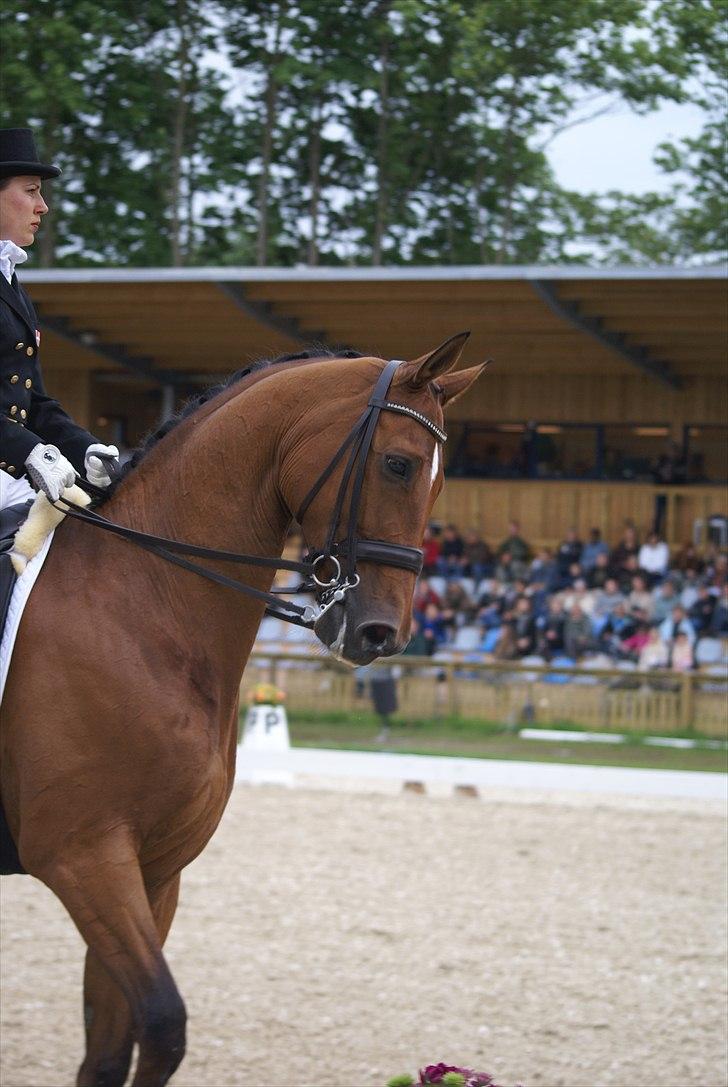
pixel 357 640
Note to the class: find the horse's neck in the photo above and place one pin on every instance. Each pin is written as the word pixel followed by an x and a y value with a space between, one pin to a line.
pixel 212 483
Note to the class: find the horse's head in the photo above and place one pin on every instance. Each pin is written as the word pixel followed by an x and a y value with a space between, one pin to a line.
pixel 393 479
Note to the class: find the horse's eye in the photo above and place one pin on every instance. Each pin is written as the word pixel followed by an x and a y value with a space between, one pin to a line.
pixel 398 466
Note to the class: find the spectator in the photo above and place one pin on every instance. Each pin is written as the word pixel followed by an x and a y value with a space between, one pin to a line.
pixel 632 646
pixel 619 626
pixel 580 595
pixel 506 569
pixel 669 468
pixel 689 591
pixel 628 547
pixel 418 645
pixel 550 637
pixel 383 692
pixel 701 612
pixel 573 574
pixel 456 609
pixel 424 595
pixel 577 633
pixel 506 649
pixel 569 551
pixel 512 592
pixel 450 562
pixel 677 623
pixel 433 627
pixel 478 561
pixel 654 558
pixel 664 599
pixel 640 596
pixel 593 549
pixel 608 598
pixel 717 571
pixel 682 657
pixel 543 571
pixel 627 571
pixel 524 627
pixel 514 545
pixel 430 550
pixel 598 574
pixel 687 558
pixel 719 621
pixel 654 653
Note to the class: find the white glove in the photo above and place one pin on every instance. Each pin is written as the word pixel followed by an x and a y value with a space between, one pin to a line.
pixel 49 470
pixel 97 471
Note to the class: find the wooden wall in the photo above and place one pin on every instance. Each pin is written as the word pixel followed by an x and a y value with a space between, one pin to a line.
pixel 546 510
pixel 593 398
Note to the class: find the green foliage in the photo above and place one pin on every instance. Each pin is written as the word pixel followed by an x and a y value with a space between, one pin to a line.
pixel 453 1079
pixel 405 1080
pixel 358 131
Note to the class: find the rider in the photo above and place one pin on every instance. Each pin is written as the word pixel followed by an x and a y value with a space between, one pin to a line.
pixel 39 442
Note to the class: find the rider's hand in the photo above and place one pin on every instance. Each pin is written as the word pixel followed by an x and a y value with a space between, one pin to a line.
pixel 97 471
pixel 49 470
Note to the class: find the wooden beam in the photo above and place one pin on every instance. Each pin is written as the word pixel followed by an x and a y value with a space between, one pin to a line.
pixel 572 313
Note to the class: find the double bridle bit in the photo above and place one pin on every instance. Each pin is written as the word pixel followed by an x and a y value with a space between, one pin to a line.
pixel 340 556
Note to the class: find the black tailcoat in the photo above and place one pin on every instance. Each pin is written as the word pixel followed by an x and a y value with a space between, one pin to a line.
pixel 27 414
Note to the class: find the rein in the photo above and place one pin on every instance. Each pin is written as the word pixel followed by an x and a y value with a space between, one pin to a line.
pixel 346 552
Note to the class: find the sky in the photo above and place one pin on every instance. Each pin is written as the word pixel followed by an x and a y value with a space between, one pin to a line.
pixel 615 151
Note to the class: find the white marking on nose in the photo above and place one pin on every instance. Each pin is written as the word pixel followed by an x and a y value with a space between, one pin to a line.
pixel 337 646
pixel 435 464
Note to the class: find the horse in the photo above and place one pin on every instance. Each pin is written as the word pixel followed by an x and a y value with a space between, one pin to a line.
pixel 118 730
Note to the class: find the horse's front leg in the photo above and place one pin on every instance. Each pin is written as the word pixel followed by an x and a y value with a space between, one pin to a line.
pixel 107 1015
pixel 102 888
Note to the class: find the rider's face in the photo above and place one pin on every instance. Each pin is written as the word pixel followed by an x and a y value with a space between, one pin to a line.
pixel 21 209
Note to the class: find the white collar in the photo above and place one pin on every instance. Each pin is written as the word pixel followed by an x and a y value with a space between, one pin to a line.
pixel 10 255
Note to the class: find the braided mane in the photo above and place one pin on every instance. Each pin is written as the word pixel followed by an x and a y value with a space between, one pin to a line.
pixel 196 402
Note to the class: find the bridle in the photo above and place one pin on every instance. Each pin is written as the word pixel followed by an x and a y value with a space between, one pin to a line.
pixel 339 556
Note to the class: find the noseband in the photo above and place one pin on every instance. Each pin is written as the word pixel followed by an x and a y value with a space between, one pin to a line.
pixel 341 556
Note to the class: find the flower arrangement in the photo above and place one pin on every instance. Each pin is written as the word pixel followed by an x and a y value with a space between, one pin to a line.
pixel 266 694
pixel 444 1075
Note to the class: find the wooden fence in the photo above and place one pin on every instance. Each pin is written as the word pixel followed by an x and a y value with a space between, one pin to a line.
pixel 601 700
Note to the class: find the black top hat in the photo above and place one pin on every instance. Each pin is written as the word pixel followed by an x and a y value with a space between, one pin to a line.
pixel 18 155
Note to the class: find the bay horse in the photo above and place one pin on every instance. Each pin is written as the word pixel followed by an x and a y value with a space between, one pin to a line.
pixel 118 727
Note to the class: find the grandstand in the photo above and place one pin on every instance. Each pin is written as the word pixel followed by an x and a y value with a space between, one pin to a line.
pixel 594 372
pixel 607 404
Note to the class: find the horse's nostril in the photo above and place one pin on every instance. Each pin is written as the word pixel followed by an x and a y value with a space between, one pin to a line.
pixel 377 635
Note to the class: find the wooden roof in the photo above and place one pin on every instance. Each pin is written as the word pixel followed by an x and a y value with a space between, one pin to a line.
pixel 175 325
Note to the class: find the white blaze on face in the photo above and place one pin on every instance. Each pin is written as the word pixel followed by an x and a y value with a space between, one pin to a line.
pixel 435 465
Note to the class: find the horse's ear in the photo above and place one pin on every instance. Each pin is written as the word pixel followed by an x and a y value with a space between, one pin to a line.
pixel 418 373
pixel 454 385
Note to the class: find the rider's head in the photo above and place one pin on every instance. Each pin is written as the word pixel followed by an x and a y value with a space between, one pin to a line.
pixel 21 173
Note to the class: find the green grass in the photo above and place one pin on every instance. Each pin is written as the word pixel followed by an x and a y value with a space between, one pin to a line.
pixel 487 740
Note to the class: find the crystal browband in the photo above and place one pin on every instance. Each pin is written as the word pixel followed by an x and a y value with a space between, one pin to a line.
pixel 404 410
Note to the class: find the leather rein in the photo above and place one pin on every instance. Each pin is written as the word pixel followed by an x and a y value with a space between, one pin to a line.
pixel 341 557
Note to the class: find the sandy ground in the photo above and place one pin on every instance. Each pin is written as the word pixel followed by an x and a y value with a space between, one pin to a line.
pixel 337 938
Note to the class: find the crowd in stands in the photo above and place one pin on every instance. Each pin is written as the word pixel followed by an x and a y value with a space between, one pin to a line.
pixel 584 600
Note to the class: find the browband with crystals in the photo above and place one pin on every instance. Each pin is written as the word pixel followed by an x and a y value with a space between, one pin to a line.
pixel 404 410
